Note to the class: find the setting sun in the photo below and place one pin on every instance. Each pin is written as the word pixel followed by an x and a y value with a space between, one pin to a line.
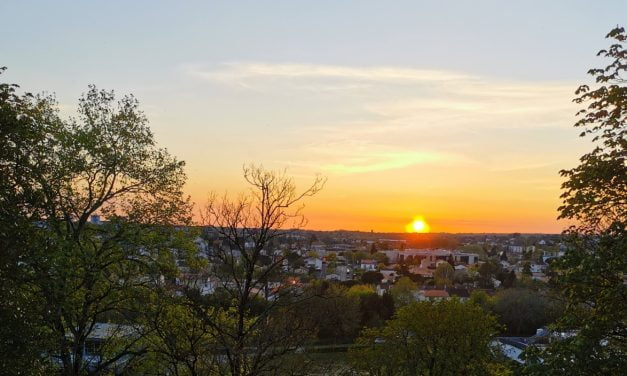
pixel 418 225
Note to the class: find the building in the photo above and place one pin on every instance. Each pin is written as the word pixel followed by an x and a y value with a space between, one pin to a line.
pixel 431 256
pixel 368 264
pixel 433 295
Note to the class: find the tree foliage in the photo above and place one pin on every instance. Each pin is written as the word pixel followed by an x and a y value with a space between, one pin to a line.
pixel 591 274
pixel 427 338
pixel 443 275
pixel 57 174
pixel 403 291
pixel 523 311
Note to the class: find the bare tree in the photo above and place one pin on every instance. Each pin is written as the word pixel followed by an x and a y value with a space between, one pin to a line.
pixel 257 323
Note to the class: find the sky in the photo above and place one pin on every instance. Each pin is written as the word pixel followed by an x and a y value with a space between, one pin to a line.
pixel 456 111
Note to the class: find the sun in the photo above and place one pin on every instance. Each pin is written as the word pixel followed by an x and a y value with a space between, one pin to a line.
pixel 418 225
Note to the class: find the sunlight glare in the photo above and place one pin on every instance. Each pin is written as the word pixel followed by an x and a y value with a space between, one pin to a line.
pixel 418 225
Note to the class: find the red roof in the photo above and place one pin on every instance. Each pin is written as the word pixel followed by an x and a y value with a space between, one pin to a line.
pixel 436 294
pixel 369 262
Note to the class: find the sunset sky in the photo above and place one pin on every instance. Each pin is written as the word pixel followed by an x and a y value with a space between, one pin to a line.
pixel 457 111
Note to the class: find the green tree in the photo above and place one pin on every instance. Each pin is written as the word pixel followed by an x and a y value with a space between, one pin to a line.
pixel 482 299
pixel 375 309
pixel 104 162
pixel 523 311
pixel 428 338
pixel 443 275
pixel 23 122
pixel 403 291
pixel 360 290
pixel 334 312
pixel 487 271
pixel 475 248
pixel 372 278
pixel 591 274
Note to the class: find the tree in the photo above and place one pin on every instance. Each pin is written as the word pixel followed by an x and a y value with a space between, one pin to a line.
pixel 591 274
pixel 443 275
pixel 428 338
pixel 180 341
pixel 335 312
pixel 371 278
pixel 104 162
pixel 523 311
pixel 23 121
pixel 254 339
pixel 360 290
pixel 375 309
pixel 487 271
pixel 403 291
pixel 475 248
pixel 482 299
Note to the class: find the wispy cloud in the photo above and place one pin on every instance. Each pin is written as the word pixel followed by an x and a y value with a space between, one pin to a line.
pixel 385 161
pixel 356 119
pixel 239 72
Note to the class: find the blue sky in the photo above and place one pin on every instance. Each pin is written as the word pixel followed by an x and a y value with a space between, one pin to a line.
pixel 412 104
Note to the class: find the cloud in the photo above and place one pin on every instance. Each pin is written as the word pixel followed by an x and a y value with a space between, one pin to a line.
pixel 356 119
pixel 354 157
pixel 384 161
pixel 240 72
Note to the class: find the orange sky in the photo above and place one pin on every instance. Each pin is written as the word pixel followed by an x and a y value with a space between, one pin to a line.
pixel 462 114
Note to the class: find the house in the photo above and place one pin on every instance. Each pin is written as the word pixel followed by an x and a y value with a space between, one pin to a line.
pixel 513 347
pixel 465 258
pixel 535 268
pixel 314 262
pixel 383 288
pixel 101 335
pixel 389 275
pixel 431 256
pixel 345 273
pixel 433 295
pixel 368 264
pixel 461 268
pixel 421 271
pixel 549 255
pixel 521 248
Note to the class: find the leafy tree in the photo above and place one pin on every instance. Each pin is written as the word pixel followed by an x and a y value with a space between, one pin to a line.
pixel 380 257
pixel 591 274
pixel 443 275
pixel 23 121
pixel 523 311
pixel 334 312
pixel 180 341
pixel 81 274
pixel 487 271
pixel 508 279
pixel 482 299
pixel 375 309
pixel 403 291
pixel 475 248
pixel 360 290
pixel 428 338
pixel 372 278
